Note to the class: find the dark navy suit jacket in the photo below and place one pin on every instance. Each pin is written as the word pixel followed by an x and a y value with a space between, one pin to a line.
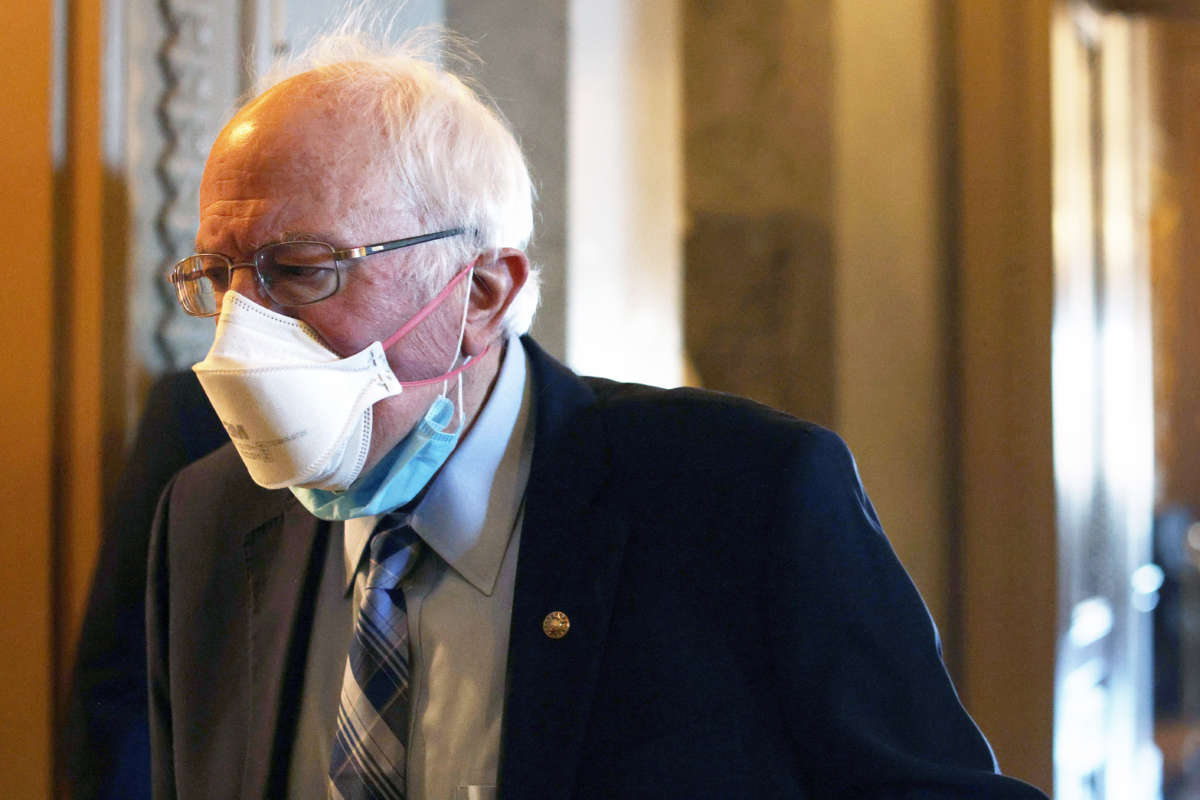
pixel 740 626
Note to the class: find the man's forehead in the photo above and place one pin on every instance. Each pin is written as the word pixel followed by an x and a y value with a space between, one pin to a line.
pixel 244 210
pixel 304 120
pixel 272 151
pixel 294 162
pixel 277 217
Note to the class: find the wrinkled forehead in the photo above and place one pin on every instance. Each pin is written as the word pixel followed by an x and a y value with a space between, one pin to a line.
pixel 302 146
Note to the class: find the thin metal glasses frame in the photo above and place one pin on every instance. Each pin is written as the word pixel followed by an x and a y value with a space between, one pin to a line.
pixel 177 277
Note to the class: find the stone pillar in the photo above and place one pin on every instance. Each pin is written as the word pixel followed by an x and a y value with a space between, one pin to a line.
pixel 758 288
pixel 892 342
pixel 183 64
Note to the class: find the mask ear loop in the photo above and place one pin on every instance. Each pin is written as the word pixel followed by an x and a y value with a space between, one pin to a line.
pixel 462 331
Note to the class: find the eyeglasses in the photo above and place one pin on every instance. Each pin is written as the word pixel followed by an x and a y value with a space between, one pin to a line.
pixel 288 273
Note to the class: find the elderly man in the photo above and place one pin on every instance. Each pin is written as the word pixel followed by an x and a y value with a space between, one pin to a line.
pixel 444 563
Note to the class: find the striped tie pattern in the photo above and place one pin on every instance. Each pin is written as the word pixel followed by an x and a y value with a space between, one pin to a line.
pixel 369 750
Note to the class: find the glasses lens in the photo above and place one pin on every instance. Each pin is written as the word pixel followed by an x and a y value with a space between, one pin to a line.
pixel 296 273
pixel 199 280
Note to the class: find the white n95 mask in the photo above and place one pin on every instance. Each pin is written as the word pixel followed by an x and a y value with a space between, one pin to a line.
pixel 298 414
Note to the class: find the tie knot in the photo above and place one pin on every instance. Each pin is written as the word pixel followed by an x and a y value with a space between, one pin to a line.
pixel 394 548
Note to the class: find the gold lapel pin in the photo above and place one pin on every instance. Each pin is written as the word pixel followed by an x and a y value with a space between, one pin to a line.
pixel 556 625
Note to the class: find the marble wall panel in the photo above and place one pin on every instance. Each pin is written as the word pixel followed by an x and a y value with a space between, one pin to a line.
pixel 758 296
pixel 182 79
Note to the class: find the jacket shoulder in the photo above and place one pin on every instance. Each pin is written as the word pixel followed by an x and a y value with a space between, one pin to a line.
pixel 707 425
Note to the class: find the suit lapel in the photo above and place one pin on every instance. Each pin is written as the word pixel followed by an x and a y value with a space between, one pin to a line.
pixel 571 548
pixel 282 560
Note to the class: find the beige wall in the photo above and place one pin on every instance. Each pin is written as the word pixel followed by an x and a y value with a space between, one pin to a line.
pixel 890 285
pixel 758 134
pixel 1005 296
pixel 27 669
pixel 56 421
pixel 523 44
pixel 624 191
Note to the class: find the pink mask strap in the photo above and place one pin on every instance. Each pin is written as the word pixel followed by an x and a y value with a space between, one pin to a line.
pixel 450 374
pixel 426 310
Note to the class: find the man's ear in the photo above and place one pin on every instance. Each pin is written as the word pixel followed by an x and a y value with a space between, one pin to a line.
pixel 498 277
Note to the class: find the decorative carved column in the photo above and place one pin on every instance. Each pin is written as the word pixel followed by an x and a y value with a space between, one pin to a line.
pixel 184 73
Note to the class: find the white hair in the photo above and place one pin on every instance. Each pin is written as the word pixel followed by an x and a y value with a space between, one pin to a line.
pixel 453 158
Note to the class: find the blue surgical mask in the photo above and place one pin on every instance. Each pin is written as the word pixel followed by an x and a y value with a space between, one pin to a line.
pixel 398 478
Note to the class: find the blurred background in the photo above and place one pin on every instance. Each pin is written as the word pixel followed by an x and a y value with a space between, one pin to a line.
pixel 963 233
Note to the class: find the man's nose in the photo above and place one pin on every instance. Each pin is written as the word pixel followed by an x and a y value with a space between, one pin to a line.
pixel 244 281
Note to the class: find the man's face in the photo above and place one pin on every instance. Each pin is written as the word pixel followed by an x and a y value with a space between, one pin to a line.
pixel 294 164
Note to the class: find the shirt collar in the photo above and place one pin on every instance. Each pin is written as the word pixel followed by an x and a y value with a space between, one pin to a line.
pixel 470 509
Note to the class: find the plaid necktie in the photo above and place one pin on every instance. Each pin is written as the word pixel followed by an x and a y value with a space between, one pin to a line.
pixel 371 744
